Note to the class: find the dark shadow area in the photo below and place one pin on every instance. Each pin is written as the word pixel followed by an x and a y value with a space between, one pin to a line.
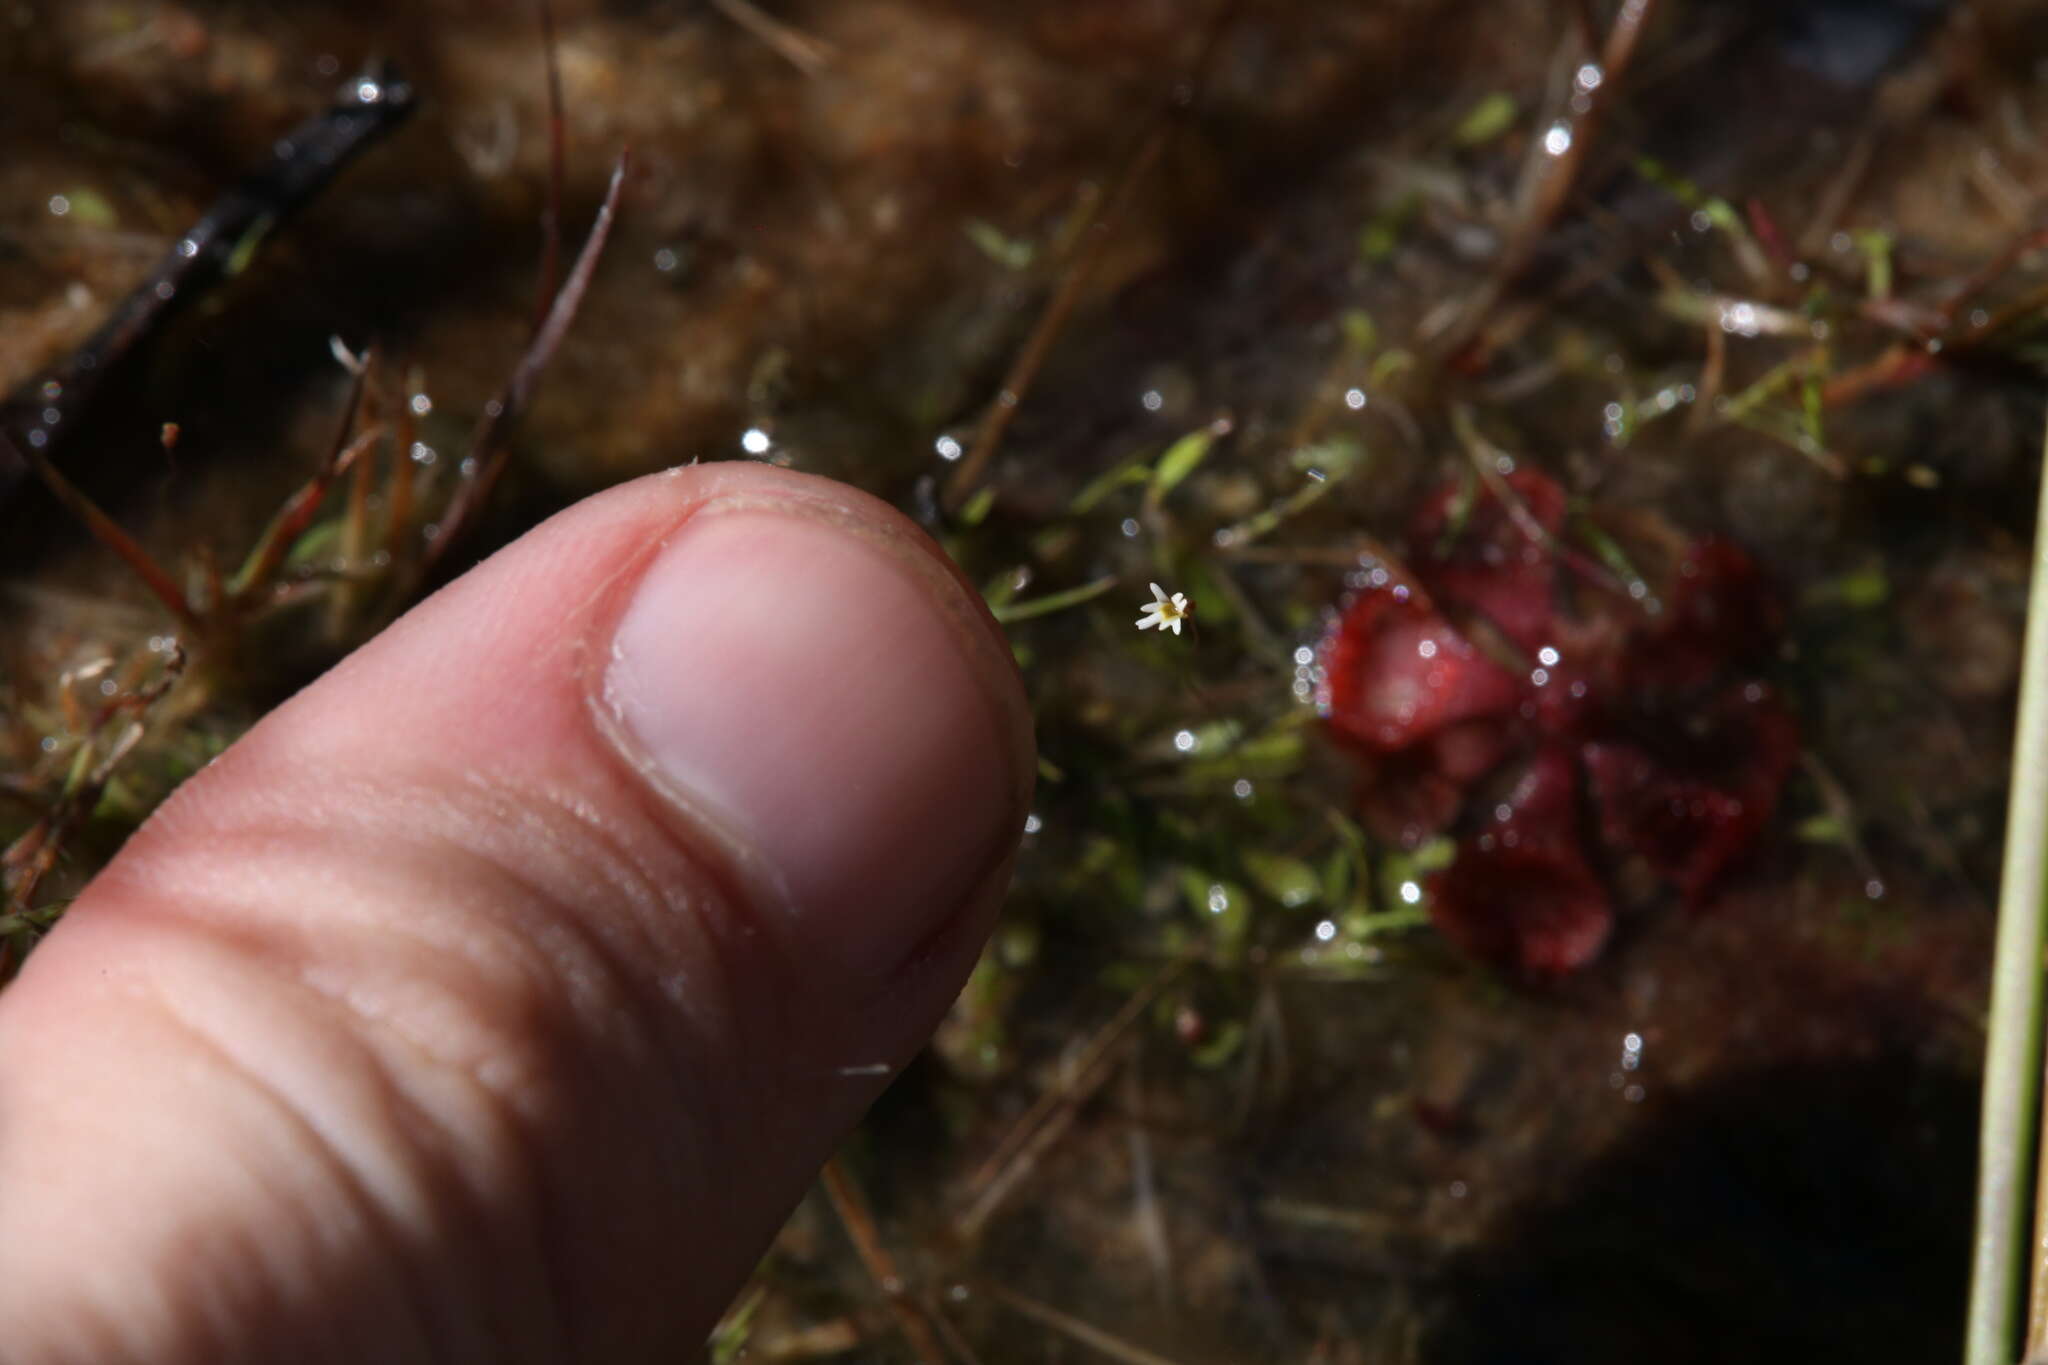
pixel 1799 1212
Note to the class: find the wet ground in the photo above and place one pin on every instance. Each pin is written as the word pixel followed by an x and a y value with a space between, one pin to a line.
pixel 1277 1115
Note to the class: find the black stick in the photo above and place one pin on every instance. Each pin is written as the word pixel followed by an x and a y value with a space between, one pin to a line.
pixel 302 162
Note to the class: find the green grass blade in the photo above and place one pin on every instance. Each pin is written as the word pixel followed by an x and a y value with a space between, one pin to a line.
pixel 1059 601
pixel 2012 1059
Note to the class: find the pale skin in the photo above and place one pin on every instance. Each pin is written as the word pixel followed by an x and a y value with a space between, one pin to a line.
pixel 497 997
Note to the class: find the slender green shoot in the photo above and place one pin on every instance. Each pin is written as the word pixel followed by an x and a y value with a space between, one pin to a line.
pixel 1059 601
pixel 2012 1060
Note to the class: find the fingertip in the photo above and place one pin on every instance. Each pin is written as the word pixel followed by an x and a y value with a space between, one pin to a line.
pixel 809 686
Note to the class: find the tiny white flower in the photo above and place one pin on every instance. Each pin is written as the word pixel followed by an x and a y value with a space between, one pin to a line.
pixel 1166 612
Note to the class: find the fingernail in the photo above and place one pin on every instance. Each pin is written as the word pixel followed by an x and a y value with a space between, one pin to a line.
pixel 817 694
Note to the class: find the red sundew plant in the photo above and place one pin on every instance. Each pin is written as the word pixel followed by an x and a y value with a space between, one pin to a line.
pixel 1506 688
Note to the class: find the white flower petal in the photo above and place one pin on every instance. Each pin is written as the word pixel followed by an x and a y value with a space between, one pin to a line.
pixel 1165 611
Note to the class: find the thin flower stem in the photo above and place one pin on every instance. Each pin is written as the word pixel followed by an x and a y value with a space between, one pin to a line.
pixel 1052 602
pixel 2012 1060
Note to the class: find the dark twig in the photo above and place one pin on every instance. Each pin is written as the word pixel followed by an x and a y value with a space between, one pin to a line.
pixel 304 161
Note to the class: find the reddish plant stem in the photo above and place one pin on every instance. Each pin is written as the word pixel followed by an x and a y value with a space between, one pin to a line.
pixel 105 530
pixel 853 1213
